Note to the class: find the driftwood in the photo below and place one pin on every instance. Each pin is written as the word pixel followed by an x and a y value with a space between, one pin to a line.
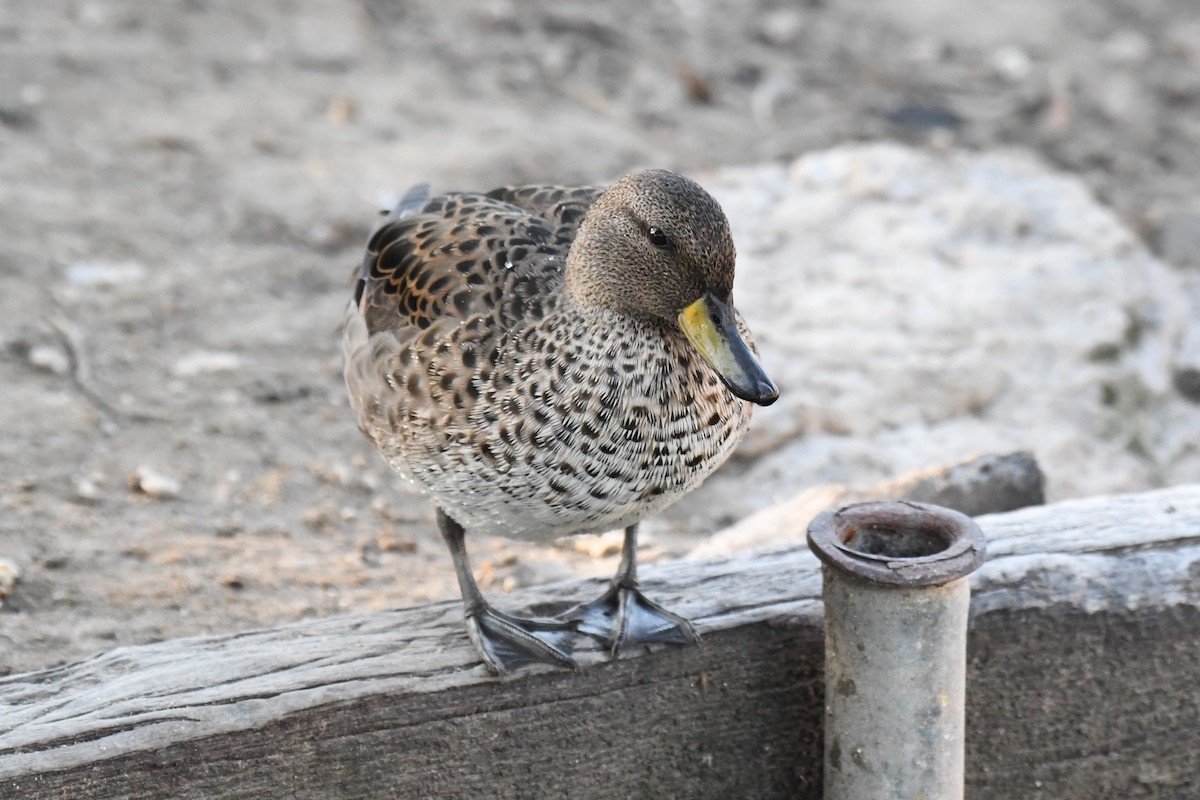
pixel 1083 681
pixel 982 485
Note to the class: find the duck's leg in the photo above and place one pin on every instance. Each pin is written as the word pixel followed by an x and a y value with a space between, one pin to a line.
pixel 504 642
pixel 622 616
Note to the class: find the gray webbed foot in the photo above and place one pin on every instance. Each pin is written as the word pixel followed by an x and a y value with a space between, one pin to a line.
pixel 623 617
pixel 506 642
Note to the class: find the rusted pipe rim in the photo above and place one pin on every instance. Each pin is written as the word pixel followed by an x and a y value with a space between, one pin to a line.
pixel 898 543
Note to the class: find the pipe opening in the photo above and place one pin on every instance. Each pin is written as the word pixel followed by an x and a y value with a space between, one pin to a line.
pixel 893 543
pixel 898 543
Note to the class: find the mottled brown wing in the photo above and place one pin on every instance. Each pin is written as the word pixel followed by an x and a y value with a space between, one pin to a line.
pixel 563 207
pixel 461 256
pixel 443 282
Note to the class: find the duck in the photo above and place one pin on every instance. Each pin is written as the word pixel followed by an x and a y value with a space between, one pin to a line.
pixel 544 361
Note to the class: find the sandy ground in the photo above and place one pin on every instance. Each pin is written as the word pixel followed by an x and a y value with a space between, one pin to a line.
pixel 186 186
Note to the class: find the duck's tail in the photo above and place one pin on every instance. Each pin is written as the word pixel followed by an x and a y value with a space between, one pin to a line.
pixel 412 202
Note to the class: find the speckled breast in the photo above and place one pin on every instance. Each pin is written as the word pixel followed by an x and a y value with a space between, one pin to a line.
pixel 572 428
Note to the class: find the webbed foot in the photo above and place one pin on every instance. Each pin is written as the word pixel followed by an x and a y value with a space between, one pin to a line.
pixel 506 642
pixel 623 617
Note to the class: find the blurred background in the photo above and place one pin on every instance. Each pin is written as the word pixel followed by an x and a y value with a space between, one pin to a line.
pixel 186 186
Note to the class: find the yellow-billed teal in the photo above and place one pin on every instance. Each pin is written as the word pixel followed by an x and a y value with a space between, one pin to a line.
pixel 544 361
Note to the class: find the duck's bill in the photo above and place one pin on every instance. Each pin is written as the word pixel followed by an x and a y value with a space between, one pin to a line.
pixel 711 327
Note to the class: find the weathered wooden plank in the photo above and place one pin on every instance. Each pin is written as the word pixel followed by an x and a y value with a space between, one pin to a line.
pixel 555 735
pixel 1083 605
pixel 1068 703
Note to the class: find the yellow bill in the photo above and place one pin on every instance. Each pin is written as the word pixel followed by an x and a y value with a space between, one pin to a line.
pixel 711 326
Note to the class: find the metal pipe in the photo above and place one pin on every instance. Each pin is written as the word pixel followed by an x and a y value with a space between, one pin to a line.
pixel 896 599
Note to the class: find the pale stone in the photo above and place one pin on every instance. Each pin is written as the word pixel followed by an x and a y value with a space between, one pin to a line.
pixel 154 484
pixel 202 362
pixel 916 308
pixel 105 273
pixel 10 573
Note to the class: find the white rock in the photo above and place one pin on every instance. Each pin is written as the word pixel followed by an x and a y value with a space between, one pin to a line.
pixel 49 358
pixel 105 273
pixel 781 27
pixel 202 362
pixel 87 490
pixel 155 484
pixel 1011 63
pixel 917 308
pixel 9 574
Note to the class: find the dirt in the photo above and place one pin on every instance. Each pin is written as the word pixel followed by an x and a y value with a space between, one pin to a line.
pixel 186 187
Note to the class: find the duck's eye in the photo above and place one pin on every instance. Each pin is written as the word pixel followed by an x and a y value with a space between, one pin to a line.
pixel 658 238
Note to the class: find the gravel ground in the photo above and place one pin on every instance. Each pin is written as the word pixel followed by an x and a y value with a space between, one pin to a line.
pixel 187 185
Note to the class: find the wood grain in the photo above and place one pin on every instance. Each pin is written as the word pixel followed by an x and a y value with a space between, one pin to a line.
pixel 1085 648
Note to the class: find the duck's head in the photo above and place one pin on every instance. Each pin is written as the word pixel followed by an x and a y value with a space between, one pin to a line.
pixel 656 246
